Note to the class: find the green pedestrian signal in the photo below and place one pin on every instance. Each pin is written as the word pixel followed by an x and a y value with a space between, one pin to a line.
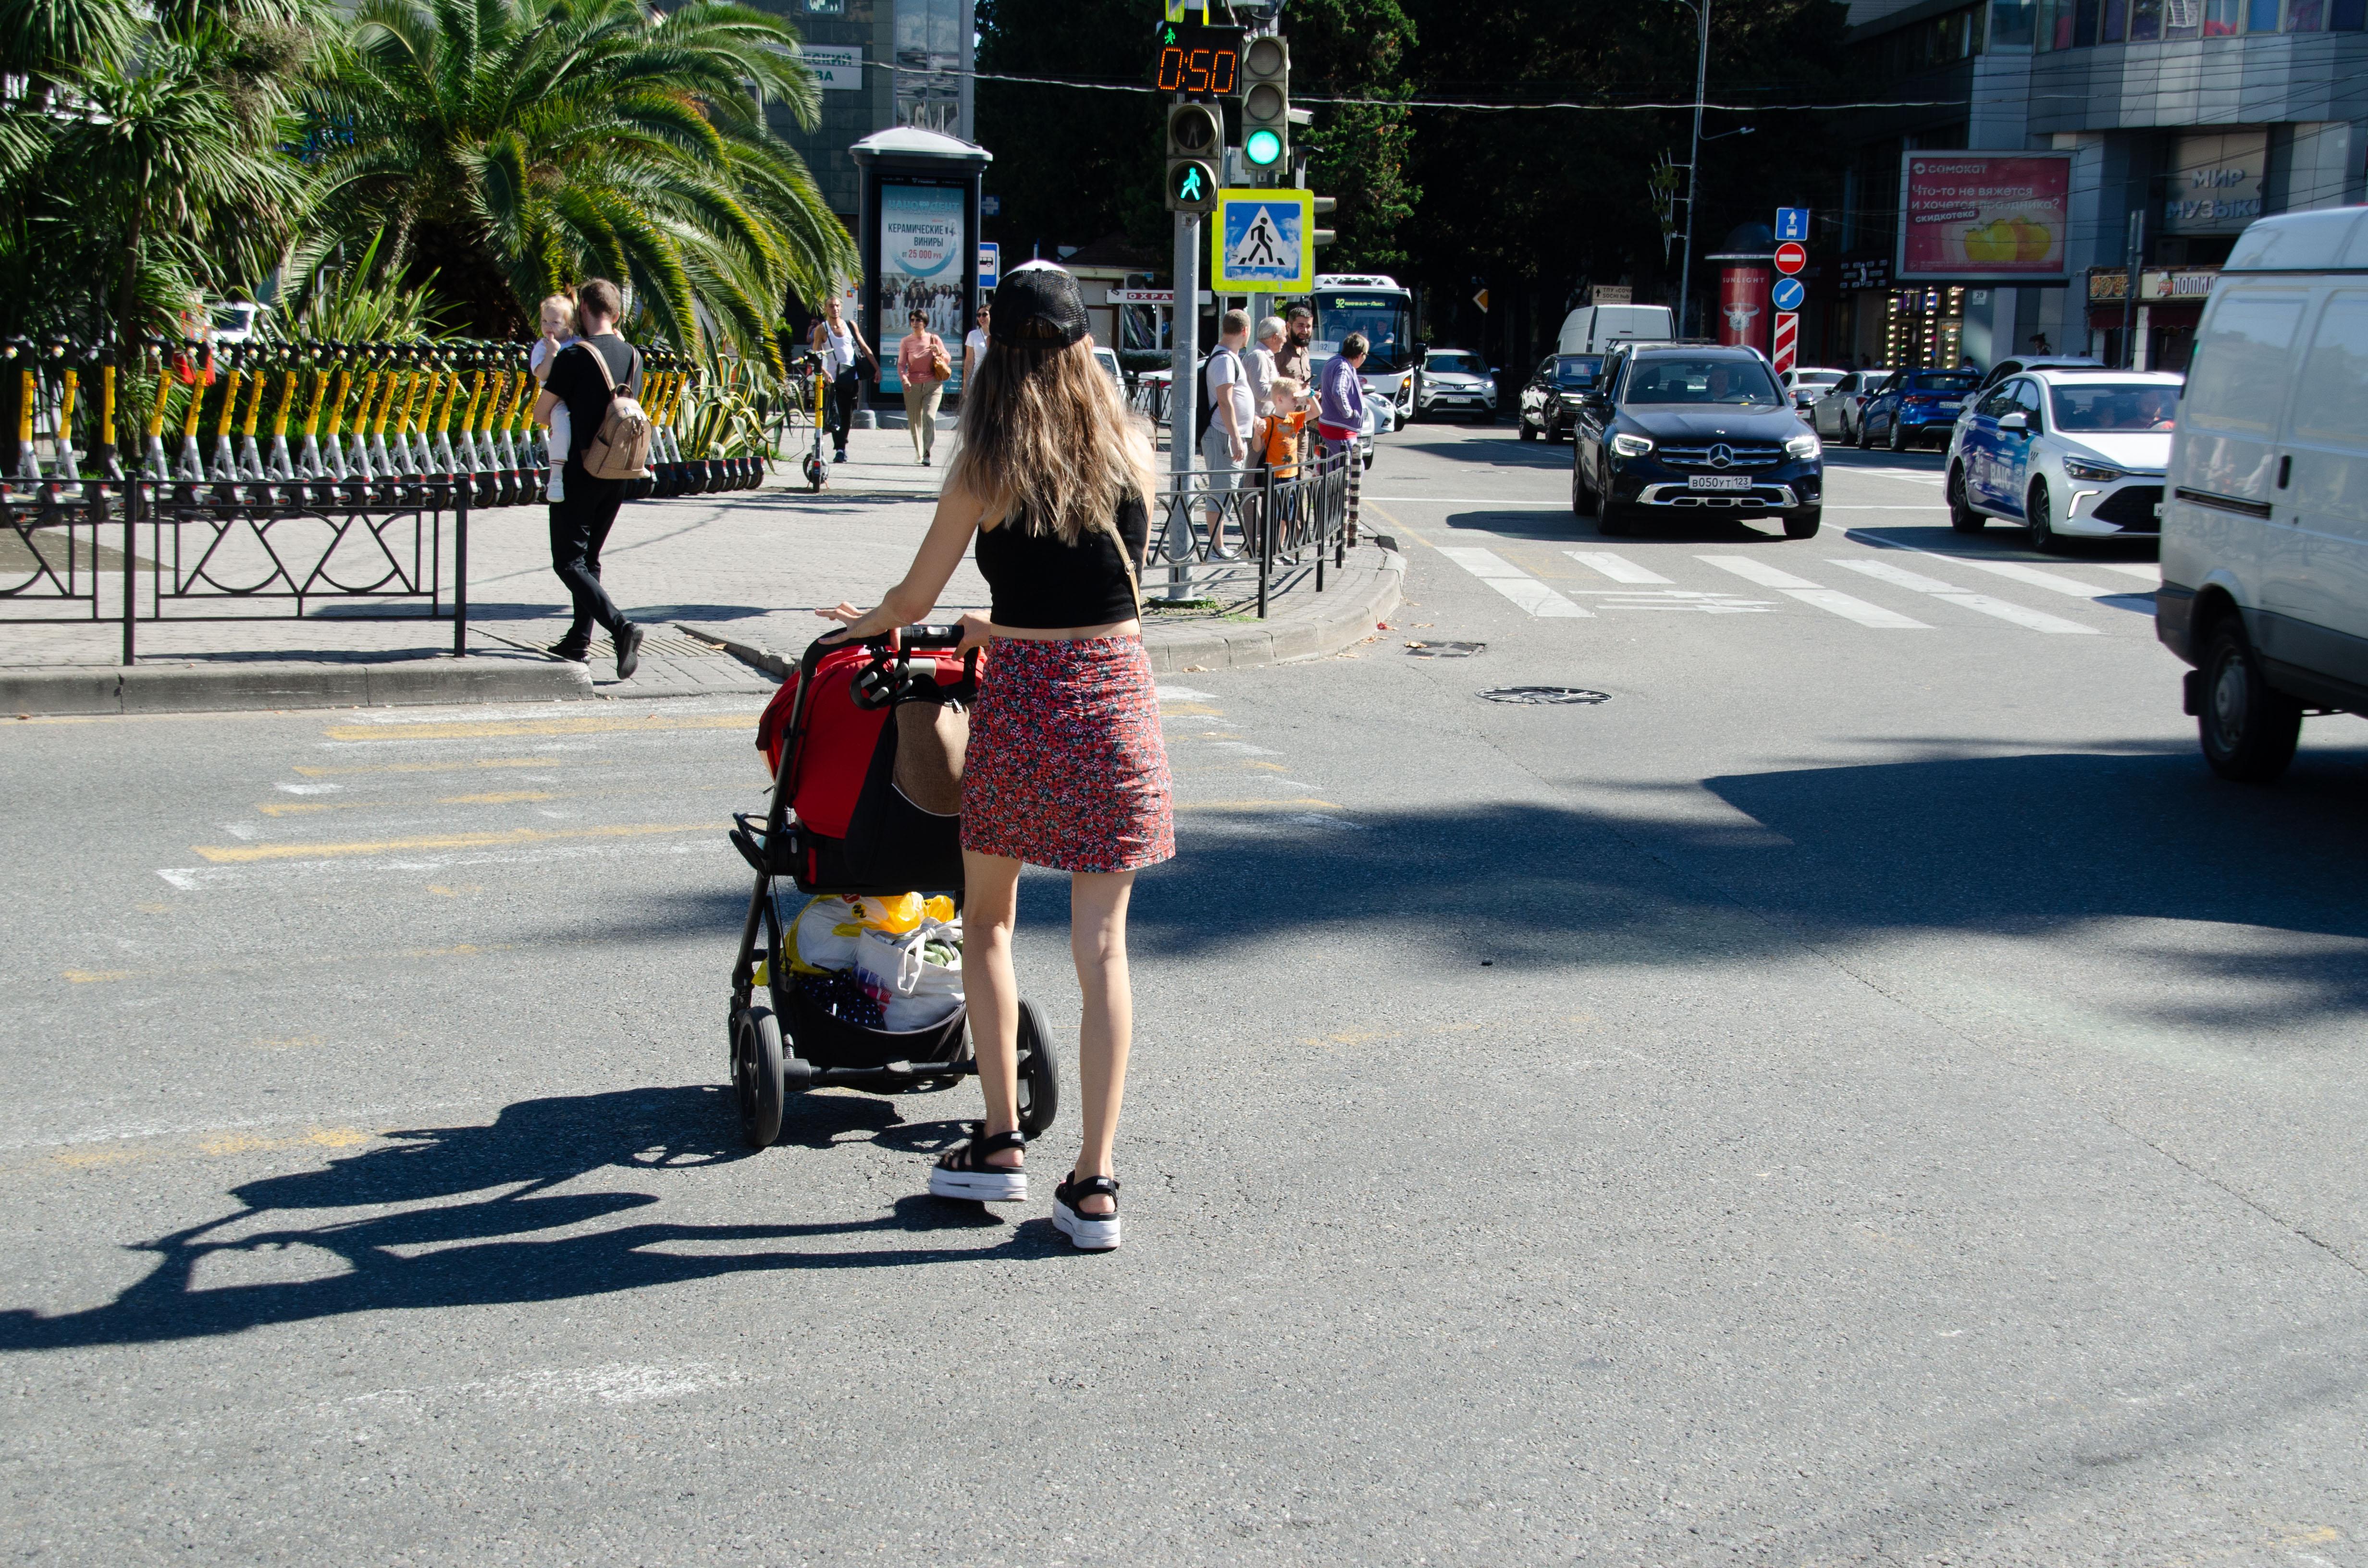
pixel 1195 140
pixel 1191 186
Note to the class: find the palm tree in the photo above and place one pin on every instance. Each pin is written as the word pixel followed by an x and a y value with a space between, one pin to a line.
pixel 141 166
pixel 514 146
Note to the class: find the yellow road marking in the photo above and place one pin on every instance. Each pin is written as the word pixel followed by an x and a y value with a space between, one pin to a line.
pixel 491 730
pixel 1256 805
pixel 238 853
pixel 461 890
pixel 305 808
pixel 1190 711
pixel 1394 523
pixel 454 766
pixel 495 798
pixel 86 976
pixel 320 1137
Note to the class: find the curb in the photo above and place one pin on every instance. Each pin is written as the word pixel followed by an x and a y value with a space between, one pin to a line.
pixel 264 684
pixel 753 654
pixel 1327 623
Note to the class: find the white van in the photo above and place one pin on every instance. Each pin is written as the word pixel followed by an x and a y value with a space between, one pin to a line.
pixel 1593 329
pixel 2265 521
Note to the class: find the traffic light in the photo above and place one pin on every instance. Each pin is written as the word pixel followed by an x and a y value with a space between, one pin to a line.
pixel 1266 103
pixel 1195 135
pixel 1324 207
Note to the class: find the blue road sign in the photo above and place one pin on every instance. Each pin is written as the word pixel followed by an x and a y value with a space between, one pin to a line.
pixel 990 263
pixel 1787 294
pixel 1792 223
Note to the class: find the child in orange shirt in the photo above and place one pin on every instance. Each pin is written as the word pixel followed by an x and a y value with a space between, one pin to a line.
pixel 1286 417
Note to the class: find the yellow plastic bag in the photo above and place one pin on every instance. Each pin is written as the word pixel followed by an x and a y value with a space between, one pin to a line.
pixel 939 908
pixel 895 916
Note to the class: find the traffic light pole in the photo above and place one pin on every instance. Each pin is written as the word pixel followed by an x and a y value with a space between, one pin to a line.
pixel 1183 401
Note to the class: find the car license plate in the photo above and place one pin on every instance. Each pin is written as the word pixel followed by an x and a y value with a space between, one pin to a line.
pixel 1719 482
pixel 1951 407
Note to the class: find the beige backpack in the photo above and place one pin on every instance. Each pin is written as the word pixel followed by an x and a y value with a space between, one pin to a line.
pixel 620 448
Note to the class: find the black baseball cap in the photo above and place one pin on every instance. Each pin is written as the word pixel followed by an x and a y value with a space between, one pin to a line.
pixel 1037 305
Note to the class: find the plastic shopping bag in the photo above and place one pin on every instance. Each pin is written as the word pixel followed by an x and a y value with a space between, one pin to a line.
pixel 916 977
pixel 822 939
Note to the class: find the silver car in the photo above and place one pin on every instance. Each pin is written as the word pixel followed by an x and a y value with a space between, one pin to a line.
pixel 1835 414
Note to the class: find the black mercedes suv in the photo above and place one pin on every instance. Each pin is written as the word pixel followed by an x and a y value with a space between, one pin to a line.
pixel 1675 428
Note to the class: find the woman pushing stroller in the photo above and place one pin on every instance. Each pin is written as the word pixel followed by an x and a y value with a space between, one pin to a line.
pixel 1066 767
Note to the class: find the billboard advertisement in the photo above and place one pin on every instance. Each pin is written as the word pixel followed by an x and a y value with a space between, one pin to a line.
pixel 1743 305
pixel 922 253
pixel 1984 217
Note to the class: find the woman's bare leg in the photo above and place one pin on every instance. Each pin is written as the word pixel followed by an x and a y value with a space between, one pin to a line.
pixel 990 909
pixel 1097 902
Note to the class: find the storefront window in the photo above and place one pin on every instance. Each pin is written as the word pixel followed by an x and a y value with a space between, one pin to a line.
pixel 2260 16
pixel 2219 18
pixel 2146 21
pixel 2303 15
pixel 2182 18
pixel 2347 16
pixel 2116 13
pixel 2011 21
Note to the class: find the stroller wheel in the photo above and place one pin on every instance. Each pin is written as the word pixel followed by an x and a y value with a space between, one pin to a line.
pixel 1040 1084
pixel 756 1075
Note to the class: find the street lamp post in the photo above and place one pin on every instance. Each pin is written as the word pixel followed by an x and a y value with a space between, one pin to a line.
pixel 1693 159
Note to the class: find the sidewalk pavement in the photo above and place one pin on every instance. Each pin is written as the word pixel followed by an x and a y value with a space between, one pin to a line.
pixel 726 586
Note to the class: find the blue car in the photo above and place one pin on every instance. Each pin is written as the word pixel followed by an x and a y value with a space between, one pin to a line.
pixel 1915 406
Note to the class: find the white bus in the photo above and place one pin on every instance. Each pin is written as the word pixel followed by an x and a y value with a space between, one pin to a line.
pixel 1374 305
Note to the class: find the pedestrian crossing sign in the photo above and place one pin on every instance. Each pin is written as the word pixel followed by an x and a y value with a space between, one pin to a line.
pixel 1263 242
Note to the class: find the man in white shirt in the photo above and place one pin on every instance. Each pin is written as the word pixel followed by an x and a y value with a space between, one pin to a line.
pixel 1232 410
pixel 974 345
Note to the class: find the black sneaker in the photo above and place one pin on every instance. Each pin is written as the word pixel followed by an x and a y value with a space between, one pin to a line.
pixel 629 650
pixel 839 455
pixel 570 652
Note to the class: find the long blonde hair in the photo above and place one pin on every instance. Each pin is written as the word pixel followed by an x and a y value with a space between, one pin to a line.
pixel 1047 441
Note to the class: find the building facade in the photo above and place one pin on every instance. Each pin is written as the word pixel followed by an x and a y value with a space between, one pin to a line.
pixel 2194 116
pixel 881 64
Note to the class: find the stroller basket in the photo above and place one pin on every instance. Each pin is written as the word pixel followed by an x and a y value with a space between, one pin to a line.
pixel 865 756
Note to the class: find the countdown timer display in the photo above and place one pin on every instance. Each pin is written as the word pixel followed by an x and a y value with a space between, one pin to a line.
pixel 1200 61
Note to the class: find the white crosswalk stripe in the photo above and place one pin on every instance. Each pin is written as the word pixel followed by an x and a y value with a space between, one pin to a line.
pixel 1827 599
pixel 2130 569
pixel 1982 604
pixel 1618 568
pixel 2054 582
pixel 1515 583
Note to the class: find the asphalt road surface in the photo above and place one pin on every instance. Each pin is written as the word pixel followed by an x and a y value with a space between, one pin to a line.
pixel 1860 1093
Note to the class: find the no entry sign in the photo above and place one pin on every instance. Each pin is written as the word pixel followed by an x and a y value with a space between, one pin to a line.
pixel 1790 256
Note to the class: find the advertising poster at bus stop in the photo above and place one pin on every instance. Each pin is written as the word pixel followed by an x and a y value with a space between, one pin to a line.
pixel 1984 217
pixel 924 257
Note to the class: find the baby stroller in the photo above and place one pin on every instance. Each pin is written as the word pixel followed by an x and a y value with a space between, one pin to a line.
pixel 865 743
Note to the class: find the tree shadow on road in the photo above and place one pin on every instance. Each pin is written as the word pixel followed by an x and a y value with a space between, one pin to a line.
pixel 493 1246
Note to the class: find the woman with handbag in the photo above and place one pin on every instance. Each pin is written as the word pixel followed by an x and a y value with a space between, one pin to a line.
pixel 1064 765
pixel 924 368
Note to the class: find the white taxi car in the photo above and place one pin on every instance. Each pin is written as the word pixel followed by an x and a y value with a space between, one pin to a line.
pixel 2066 453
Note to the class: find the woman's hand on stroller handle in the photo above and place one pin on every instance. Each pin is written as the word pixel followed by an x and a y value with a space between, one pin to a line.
pixel 859 625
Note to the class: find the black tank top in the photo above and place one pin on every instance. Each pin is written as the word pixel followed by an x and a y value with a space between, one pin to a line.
pixel 1039 582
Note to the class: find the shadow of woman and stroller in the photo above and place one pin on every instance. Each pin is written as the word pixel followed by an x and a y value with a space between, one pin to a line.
pixel 493 1249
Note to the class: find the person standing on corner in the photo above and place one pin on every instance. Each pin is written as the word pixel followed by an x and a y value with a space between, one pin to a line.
pixel 584 377
pixel 840 343
pixel 921 367
pixel 1225 444
pixel 1291 359
pixel 974 347
pixel 1341 414
pixel 1065 766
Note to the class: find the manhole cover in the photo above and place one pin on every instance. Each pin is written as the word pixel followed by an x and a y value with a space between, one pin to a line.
pixel 1540 695
pixel 1444 650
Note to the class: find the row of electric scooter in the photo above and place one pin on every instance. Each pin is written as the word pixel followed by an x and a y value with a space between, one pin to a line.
pixel 321 424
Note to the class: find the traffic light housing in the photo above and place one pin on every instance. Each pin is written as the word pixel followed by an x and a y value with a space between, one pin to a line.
pixel 1266 104
pixel 1196 138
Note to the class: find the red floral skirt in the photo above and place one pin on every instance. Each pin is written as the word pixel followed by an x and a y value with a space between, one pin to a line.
pixel 1065 766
